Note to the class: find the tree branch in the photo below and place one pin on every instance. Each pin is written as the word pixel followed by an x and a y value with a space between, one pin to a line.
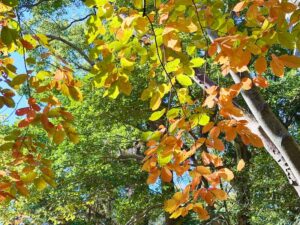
pixel 78 20
pixel 29 6
pixel 70 44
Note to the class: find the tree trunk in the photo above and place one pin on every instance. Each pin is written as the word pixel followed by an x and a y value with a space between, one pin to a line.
pixel 241 184
pixel 204 82
pixel 289 150
pixel 280 144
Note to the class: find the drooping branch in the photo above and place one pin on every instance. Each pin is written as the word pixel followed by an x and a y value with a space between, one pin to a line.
pixel 73 46
pixel 78 20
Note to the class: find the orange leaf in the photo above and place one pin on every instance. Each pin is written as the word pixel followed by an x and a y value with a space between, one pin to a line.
pixel 219 194
pixel 207 127
pixel 202 213
pixel 153 176
pixel 240 165
pixel 260 65
pixel 219 145
pixel 240 6
pixel 166 174
pixel 290 61
pixel 214 132
pixel 277 66
pixel 226 174
pixel 247 83
pixel 261 82
pixel 212 49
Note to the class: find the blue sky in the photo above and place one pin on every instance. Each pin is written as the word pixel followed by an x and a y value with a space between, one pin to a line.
pixel 7 115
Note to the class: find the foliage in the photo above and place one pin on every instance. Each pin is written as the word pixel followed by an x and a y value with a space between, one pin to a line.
pixel 151 52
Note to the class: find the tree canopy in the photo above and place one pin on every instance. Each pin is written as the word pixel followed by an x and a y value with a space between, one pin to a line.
pixel 150 112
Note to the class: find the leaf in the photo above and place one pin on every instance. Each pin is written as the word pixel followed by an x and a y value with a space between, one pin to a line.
pixel 18 80
pixel 42 75
pixel 214 132
pixel 260 65
pixel 6 36
pixel 219 194
pixel 172 66
pixel 11 3
pixel 207 127
pixel 163 160
pixel 173 113
pixel 246 83
pixel 155 101
pixel 184 80
pixel 240 165
pixel 290 61
pixel 59 136
pixel 40 183
pixel 125 63
pixel 22 189
pixel 203 119
pixel 202 213
pixel 277 66
pixel 240 6
pixel 75 93
pixel 157 115
pixel 166 175
pixel 261 82
pixel 197 62
pixel 226 174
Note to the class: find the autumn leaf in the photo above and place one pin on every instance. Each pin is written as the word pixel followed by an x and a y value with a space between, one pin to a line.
pixel 240 6
pixel 166 174
pixel 260 65
pixel 240 165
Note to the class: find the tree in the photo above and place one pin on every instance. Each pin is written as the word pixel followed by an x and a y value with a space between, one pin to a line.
pixel 175 43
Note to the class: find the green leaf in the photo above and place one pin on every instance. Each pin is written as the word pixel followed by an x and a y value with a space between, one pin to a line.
pixel 184 80
pixel 11 3
pixel 6 36
pixel 156 115
pixel 203 119
pixel 18 80
pixel 197 62
pixel 173 113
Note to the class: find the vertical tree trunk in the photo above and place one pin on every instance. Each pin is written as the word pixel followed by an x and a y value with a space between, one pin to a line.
pixel 241 184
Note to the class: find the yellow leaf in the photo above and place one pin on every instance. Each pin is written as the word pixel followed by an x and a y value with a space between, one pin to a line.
pixel 155 101
pixel 40 184
pixel 156 115
pixel 240 165
pixel 203 119
pixel 197 62
pixel 184 80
